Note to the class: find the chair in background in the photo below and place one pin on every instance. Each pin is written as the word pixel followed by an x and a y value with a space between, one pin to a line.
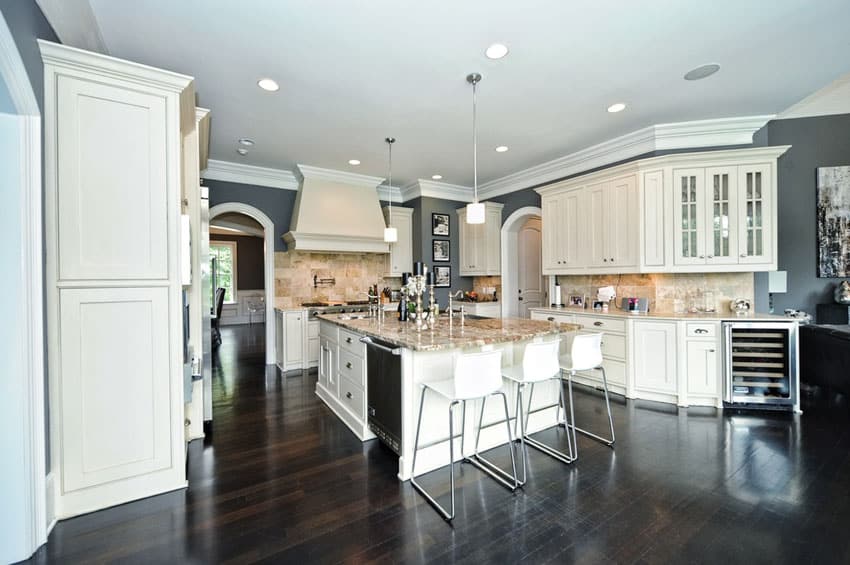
pixel 586 355
pixel 216 317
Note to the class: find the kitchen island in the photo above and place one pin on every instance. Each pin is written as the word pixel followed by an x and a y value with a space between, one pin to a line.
pixel 426 355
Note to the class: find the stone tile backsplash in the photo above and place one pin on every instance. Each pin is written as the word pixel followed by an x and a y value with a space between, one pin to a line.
pixel 664 290
pixel 354 274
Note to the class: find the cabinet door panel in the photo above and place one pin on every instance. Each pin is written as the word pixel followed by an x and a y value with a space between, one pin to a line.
pixel 755 190
pixel 702 367
pixel 621 219
pixel 116 389
pixel 294 332
pixel 598 203
pixel 721 218
pixel 653 218
pixel 491 242
pixel 112 182
pixel 551 220
pixel 655 356
pixel 689 216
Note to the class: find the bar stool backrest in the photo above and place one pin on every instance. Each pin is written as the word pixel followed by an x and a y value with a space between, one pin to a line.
pixel 478 374
pixel 540 360
pixel 586 352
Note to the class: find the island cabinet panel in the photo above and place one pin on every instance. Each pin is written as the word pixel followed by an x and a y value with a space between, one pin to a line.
pixel 655 358
pixel 688 212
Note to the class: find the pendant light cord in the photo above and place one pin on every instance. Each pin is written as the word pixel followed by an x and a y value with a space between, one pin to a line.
pixel 474 143
pixel 390 141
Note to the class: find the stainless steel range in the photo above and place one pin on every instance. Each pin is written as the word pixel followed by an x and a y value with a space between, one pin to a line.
pixel 316 308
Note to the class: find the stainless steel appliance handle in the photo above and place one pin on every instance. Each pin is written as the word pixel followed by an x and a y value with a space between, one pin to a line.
pixel 368 341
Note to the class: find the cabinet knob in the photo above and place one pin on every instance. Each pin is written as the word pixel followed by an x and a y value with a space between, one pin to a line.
pixel 597 324
pixel 348 365
pixel 348 395
pixel 711 350
pixel 551 318
pixel 604 260
pixel 612 259
pixel 348 340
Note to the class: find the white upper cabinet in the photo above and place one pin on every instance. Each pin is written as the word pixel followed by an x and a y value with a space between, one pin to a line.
pixel 688 212
pixel 400 257
pixel 481 244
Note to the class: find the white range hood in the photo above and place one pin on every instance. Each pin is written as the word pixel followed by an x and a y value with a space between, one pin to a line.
pixel 336 212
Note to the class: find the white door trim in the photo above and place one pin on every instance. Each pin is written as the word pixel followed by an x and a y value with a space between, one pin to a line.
pixel 268 230
pixel 510 265
pixel 13 74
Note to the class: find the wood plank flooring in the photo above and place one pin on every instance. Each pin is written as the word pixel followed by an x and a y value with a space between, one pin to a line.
pixel 281 480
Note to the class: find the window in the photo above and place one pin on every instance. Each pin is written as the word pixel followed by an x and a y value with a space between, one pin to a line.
pixel 224 253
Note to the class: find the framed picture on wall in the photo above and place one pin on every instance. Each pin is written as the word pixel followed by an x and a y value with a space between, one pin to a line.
pixel 440 224
pixel 441 251
pixel 833 223
pixel 442 277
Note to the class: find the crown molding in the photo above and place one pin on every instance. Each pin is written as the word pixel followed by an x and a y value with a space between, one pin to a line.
pixel 250 174
pixel 682 135
pixel 75 23
pixel 111 67
pixel 390 193
pixel 14 74
pixel 830 100
pixel 433 189
pixel 331 175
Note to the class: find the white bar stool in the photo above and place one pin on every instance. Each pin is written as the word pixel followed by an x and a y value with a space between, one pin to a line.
pixel 540 363
pixel 586 355
pixel 476 376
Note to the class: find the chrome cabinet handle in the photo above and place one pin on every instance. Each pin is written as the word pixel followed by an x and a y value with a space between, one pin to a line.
pixel 348 365
pixel 711 256
pixel 597 324
pixel 702 256
pixel 711 350
pixel 348 395
pixel 550 319
pixel 743 254
pixel 700 331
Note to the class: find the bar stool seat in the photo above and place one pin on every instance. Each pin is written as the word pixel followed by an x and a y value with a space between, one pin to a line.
pixel 539 364
pixel 586 355
pixel 477 376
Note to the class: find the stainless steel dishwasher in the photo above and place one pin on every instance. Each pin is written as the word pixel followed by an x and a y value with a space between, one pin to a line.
pixel 761 366
pixel 383 404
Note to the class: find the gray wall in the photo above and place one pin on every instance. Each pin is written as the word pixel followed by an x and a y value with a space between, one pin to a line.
pixel 422 240
pixel 27 23
pixel 250 260
pixel 822 141
pixel 276 203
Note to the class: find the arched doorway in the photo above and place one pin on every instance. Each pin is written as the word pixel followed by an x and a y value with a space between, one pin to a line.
pixel 521 264
pixel 268 263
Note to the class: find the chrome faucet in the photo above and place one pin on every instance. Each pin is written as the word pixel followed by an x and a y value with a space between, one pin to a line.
pixel 450 309
pixel 374 303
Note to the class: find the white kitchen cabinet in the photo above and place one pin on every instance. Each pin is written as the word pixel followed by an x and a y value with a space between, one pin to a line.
pixel 655 359
pixel 327 371
pixel 400 257
pixel 483 309
pixel 711 211
pixel 279 338
pixel 312 343
pixel 481 244
pixel 114 160
pixel 703 369
pixel 293 331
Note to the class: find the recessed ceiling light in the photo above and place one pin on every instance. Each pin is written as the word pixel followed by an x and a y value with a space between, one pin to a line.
pixel 496 51
pixel 501 149
pixel 702 71
pixel 436 177
pixel 246 142
pixel 242 151
pixel 268 84
pixel 354 162
pixel 618 107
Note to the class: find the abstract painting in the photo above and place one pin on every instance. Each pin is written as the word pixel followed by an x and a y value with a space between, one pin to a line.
pixel 833 222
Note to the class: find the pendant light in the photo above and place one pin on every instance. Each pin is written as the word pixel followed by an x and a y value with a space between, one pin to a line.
pixel 390 233
pixel 474 210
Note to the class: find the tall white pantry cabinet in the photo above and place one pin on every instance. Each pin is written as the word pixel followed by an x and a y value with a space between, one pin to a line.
pixel 114 164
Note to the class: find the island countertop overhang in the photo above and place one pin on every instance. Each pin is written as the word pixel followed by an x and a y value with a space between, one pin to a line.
pixel 454 335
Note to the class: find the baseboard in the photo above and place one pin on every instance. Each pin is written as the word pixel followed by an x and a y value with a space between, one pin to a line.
pixel 50 498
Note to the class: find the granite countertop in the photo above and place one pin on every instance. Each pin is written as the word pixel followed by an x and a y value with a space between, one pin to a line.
pixel 445 336
pixel 704 316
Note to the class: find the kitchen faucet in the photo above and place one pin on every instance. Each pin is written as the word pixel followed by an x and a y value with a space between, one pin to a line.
pixel 449 309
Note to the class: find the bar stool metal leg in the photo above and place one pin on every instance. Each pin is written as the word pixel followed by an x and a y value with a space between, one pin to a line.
pixel 526 439
pixel 511 482
pixel 606 441
pixel 445 514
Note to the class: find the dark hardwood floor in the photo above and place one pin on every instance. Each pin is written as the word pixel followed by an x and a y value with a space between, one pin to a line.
pixel 281 480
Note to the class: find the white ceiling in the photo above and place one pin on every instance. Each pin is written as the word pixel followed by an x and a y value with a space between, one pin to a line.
pixel 352 73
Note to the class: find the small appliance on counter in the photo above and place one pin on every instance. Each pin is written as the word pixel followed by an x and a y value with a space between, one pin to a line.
pixel 636 305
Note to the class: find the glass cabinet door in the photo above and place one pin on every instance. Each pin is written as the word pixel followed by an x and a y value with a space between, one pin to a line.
pixel 755 245
pixel 721 214
pixel 690 206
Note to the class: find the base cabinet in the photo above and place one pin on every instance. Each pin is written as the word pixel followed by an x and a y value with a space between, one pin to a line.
pixel 655 358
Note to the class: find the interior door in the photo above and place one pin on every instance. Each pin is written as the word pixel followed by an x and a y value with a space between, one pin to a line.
pixel 530 266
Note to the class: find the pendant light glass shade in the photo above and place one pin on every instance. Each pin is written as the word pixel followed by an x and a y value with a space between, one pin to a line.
pixel 390 233
pixel 474 210
pixel 475 213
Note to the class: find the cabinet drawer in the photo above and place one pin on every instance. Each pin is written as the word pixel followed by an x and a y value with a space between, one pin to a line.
pixel 351 366
pixel 702 329
pixel 352 397
pixel 350 342
pixel 560 318
pixel 602 324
